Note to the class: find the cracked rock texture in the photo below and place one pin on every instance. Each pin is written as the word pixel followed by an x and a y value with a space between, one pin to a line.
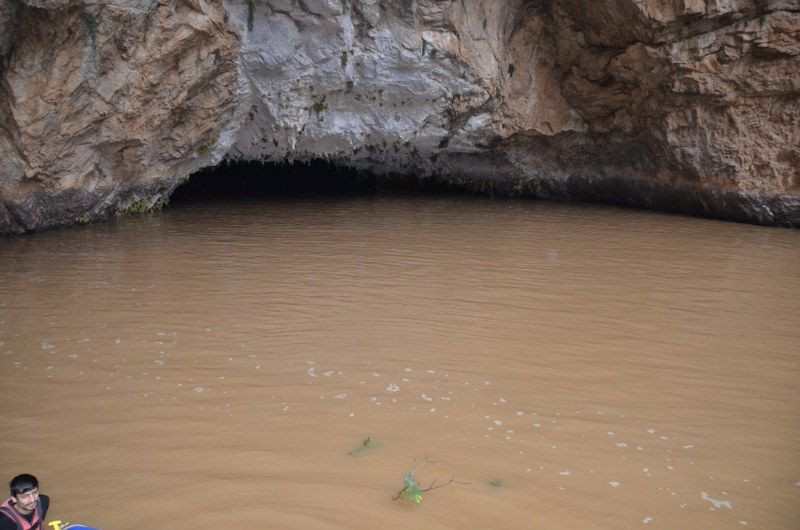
pixel 681 105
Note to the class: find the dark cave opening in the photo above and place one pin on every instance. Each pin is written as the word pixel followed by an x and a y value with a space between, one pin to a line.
pixel 314 178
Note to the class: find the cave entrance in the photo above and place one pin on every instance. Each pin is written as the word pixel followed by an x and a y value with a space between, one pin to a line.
pixel 315 178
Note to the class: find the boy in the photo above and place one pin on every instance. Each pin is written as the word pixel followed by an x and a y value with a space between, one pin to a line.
pixel 26 509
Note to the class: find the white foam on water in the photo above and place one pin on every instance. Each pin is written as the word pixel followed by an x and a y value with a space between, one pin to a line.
pixel 47 345
pixel 715 502
pixel 743 523
pixel 198 389
pixel 431 371
pixel 407 369
pixel 564 472
pixel 425 397
pixel 433 409
pixel 487 383
pixel 621 445
pixel 502 400
pixel 498 422
pixel 392 388
pixel 688 446
pixel 340 396
pixel 647 520
pixel 311 372
pixel 610 433
pixel 375 374
pixel 651 431
pixel 520 413
pixel 537 425
pixel 614 484
pixel 663 437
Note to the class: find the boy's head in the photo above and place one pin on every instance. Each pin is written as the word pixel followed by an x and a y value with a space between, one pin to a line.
pixel 22 484
pixel 25 491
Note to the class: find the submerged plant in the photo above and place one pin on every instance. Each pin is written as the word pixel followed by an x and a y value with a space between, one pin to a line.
pixel 365 446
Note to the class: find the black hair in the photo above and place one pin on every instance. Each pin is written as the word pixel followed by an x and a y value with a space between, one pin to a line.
pixel 22 483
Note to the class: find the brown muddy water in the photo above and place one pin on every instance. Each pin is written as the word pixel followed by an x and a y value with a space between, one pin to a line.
pixel 220 365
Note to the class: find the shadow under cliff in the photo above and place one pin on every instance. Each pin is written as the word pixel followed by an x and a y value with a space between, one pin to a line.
pixel 315 178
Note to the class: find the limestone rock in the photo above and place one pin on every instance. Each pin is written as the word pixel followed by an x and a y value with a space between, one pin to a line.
pixel 688 105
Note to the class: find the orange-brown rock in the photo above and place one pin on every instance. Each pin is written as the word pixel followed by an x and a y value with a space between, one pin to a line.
pixel 686 105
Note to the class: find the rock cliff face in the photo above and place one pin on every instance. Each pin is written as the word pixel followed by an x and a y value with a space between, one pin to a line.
pixel 683 105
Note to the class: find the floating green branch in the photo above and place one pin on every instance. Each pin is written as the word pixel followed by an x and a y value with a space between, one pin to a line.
pixel 412 490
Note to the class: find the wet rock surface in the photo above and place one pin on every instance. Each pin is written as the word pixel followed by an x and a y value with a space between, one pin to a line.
pixel 687 106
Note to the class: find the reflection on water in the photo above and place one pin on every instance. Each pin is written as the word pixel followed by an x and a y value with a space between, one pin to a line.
pixel 580 367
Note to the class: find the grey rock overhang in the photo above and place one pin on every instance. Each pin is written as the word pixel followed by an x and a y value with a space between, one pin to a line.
pixel 106 107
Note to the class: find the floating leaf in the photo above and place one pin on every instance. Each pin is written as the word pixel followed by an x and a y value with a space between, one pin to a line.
pixel 411 491
pixel 496 483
